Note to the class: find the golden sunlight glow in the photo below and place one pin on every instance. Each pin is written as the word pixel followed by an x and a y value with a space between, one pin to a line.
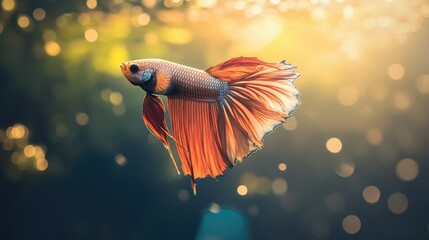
pixel 52 48
pixel 374 136
pixel 206 3
pixel 151 38
pixel 91 4
pixel 172 3
pixel 279 186
pixel 282 167
pixel 149 3
pixel 334 145
pixel 116 98
pixel 175 35
pixel 121 160
pixel 82 119
pixel 8 5
pixel 422 83
pixel 401 100
pixel 23 21
pixel 371 194
pixel 407 169
pixel 117 55
pixel 348 12
pixel 143 19
pixel 396 71
pixel 29 151
pixel 318 14
pixel 348 95
pixel 39 14
pixel 397 203
pixel 351 224
pixel 291 123
pixel 91 35
pixel 242 190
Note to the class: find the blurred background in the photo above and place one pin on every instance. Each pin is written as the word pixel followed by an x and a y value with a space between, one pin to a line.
pixel 77 161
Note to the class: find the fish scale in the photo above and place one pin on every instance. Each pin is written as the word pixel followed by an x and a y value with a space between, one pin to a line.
pixel 187 82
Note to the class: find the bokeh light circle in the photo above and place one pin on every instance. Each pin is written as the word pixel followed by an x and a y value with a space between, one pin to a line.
pixel 371 194
pixel 279 186
pixel 183 195
pixel 422 83
pixel 397 203
pixel 407 169
pixel 344 168
pixel 121 160
pixel 8 5
pixel 24 21
pixel 334 145
pixel 348 95
pixel 52 48
pixel 91 35
pixel 214 208
pixel 396 71
pixel 351 224
pixel 242 190
pixel 82 119
pixel 282 167
pixel 374 136
pixel 39 14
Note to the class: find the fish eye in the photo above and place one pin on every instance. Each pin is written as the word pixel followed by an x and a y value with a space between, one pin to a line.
pixel 134 68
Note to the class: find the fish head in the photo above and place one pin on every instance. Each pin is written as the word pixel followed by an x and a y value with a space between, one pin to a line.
pixel 139 73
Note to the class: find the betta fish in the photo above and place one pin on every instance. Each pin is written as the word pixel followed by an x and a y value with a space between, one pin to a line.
pixel 218 116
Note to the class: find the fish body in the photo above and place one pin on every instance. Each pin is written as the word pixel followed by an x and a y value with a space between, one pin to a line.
pixel 179 81
pixel 218 116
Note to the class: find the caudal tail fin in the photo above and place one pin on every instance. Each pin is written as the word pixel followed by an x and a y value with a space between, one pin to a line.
pixel 261 96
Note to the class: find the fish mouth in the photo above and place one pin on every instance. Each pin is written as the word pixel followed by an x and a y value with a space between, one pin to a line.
pixel 123 66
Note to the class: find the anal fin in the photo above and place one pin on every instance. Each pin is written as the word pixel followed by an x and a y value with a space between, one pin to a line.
pixel 195 125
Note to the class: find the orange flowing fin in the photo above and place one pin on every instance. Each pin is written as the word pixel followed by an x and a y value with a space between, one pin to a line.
pixel 261 96
pixel 153 117
pixel 234 69
pixel 195 125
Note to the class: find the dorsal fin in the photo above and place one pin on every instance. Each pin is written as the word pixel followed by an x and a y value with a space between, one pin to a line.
pixel 153 117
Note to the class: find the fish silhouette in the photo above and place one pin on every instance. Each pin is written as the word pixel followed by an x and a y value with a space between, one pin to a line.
pixel 218 116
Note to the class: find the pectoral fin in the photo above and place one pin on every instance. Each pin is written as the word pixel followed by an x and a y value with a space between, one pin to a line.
pixel 153 117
